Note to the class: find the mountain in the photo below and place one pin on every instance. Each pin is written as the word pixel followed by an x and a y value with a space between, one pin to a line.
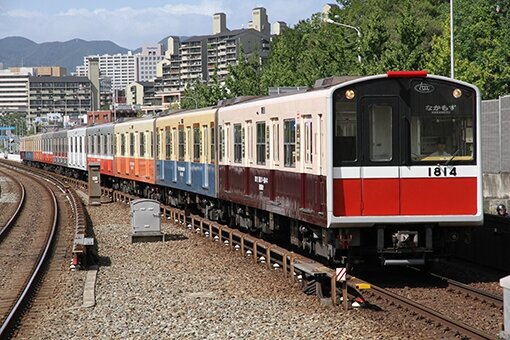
pixel 19 51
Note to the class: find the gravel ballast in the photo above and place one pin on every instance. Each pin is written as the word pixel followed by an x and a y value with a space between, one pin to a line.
pixel 190 287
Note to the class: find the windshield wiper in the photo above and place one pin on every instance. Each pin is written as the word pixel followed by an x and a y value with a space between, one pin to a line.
pixel 453 156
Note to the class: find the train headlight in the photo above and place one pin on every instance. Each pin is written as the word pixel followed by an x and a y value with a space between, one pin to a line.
pixel 457 93
pixel 350 94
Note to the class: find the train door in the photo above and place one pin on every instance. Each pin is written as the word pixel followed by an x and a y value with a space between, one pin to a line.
pixel 380 171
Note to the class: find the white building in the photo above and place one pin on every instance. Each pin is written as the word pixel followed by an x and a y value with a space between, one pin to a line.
pixel 123 69
pixel 14 88
pixel 120 68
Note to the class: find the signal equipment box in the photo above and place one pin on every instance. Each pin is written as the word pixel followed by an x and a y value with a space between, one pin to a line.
pixel 94 184
pixel 146 221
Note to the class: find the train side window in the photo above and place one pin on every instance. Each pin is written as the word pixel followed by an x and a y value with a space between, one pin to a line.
pixel 188 143
pixel 131 144
pixel 213 143
pixel 345 146
pixel 227 143
pixel 237 144
pixel 102 142
pixel 89 144
pixel 289 142
pixel 168 143
pixel 123 144
pixel 276 140
pixel 221 142
pixel 109 144
pixel 151 144
pixel 261 143
pixel 142 144
pixel 174 143
pixel 308 141
pixel 182 143
pixel 203 146
pixel 196 142
pixel 250 140
pixel 380 132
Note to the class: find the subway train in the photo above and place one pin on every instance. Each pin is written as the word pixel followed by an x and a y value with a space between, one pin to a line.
pixel 383 166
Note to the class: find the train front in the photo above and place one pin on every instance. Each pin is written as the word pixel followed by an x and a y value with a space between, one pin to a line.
pixel 405 165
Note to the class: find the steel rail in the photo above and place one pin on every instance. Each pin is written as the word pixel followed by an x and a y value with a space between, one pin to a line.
pixel 25 296
pixel 8 226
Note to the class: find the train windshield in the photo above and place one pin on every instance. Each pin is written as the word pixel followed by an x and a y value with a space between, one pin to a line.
pixel 442 125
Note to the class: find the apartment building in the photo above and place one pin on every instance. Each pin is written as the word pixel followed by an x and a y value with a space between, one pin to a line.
pixel 14 91
pixel 198 58
pixel 69 96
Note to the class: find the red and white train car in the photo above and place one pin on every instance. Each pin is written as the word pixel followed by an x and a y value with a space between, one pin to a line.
pixel 100 142
pixel 376 165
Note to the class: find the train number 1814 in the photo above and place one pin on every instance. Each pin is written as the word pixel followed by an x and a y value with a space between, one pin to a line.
pixel 442 171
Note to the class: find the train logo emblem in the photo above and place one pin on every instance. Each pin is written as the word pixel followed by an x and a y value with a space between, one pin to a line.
pixel 424 88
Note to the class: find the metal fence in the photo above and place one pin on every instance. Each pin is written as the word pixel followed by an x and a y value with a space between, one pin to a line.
pixel 495 129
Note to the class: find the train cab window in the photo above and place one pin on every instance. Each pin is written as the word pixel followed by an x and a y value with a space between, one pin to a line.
pixel 131 144
pixel 442 125
pixel 237 144
pixel 261 143
pixel 289 142
pixel 380 132
pixel 168 143
pixel 142 144
pixel 197 139
pixel 182 143
pixel 345 146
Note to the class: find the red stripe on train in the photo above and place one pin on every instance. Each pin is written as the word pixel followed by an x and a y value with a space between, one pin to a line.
pixel 407 196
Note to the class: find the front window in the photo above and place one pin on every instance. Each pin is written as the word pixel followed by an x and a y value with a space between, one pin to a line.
pixel 442 124
pixel 441 138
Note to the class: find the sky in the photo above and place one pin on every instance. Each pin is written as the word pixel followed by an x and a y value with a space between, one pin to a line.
pixel 132 23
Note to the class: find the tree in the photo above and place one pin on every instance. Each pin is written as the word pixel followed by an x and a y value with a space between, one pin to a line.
pixel 244 79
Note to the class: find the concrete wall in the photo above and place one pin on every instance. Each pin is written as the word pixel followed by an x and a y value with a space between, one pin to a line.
pixel 496 190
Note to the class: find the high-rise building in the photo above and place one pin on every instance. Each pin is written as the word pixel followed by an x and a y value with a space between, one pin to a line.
pixel 147 61
pixel 14 91
pixel 120 68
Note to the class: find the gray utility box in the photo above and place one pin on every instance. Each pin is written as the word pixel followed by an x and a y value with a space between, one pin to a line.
pixel 505 283
pixel 94 184
pixel 146 221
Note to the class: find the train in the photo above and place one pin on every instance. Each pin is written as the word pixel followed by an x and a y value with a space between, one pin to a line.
pixel 384 166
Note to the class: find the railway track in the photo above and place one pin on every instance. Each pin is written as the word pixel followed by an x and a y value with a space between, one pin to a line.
pixel 10 212
pixel 27 249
